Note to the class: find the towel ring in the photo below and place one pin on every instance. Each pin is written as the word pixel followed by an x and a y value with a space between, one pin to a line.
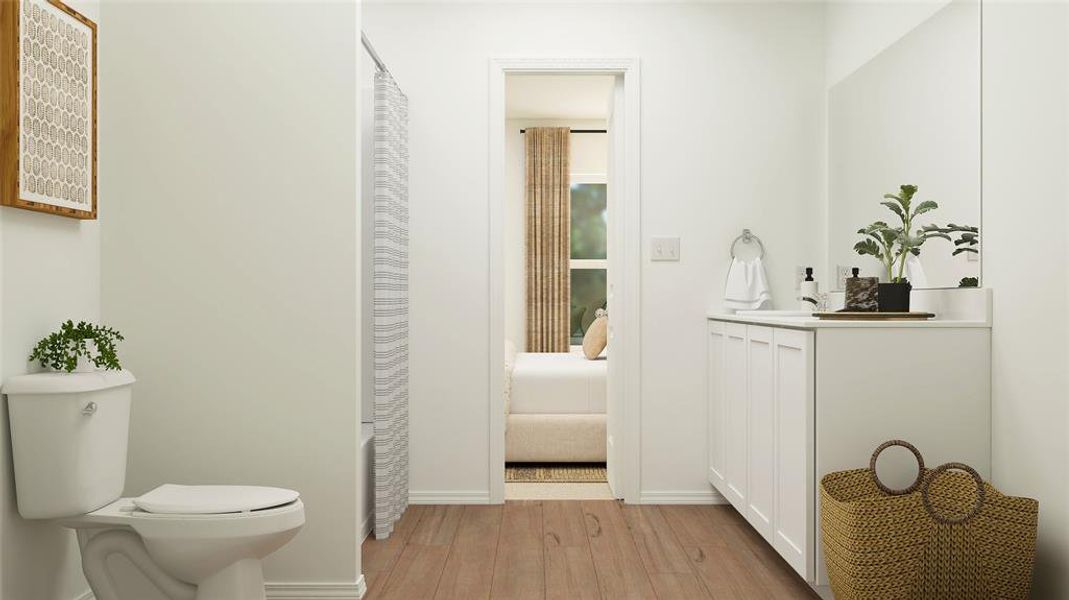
pixel 747 237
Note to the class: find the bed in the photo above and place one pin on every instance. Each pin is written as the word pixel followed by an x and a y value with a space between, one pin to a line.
pixel 556 407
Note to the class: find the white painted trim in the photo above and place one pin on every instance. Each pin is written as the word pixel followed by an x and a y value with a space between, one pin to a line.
pixel 589 178
pixel 626 326
pixel 496 283
pixel 683 497
pixel 450 497
pixel 300 591
pixel 588 263
pixel 316 591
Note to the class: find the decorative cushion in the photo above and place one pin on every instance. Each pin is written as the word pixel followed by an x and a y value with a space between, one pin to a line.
pixel 597 336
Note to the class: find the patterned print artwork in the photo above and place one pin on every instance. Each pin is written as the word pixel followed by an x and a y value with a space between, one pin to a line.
pixel 390 304
pixel 55 107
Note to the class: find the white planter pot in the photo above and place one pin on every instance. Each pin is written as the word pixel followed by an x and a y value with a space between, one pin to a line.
pixel 85 365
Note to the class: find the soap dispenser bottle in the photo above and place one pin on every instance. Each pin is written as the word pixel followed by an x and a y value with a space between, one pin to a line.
pixel 809 291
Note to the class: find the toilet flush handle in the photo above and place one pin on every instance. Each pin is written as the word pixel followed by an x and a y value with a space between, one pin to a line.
pixel 89 409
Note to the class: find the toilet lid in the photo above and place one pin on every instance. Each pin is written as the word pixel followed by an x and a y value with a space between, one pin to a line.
pixel 212 499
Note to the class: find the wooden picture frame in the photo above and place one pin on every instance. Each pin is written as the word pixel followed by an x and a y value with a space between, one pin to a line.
pixel 48 108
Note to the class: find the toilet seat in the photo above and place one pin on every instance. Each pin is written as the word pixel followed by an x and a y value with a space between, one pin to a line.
pixel 242 508
pixel 212 499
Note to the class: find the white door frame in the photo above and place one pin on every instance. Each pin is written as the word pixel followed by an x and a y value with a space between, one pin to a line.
pixel 625 328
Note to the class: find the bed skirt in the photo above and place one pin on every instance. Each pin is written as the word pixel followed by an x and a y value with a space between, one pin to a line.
pixel 555 438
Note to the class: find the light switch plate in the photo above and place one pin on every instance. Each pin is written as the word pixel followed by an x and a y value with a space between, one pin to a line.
pixel 664 248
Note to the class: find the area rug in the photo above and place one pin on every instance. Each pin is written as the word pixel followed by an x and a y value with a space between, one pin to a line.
pixel 555 473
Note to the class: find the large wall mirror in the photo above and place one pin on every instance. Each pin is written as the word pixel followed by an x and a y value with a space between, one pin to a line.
pixel 911 116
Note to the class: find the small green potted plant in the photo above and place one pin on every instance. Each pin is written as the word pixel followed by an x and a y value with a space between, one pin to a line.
pixel 81 348
pixel 892 245
pixel 968 238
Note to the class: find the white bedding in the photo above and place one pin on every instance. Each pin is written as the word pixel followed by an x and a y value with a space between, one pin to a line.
pixel 557 383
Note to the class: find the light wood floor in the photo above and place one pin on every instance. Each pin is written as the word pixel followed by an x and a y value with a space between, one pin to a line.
pixel 591 549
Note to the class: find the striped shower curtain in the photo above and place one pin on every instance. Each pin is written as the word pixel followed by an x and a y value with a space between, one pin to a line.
pixel 390 303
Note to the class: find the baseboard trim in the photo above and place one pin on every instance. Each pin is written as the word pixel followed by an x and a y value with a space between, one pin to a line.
pixel 473 497
pixel 301 591
pixel 316 591
pixel 682 497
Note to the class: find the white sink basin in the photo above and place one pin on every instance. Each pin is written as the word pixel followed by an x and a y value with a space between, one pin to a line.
pixel 774 314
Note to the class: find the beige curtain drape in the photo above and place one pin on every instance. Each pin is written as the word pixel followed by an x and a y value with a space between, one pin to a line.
pixel 548 238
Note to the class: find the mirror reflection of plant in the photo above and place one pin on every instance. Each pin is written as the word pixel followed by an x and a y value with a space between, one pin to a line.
pixel 968 237
pixel 892 245
pixel 61 349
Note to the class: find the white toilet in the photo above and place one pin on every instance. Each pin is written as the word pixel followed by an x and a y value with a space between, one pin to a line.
pixel 69 436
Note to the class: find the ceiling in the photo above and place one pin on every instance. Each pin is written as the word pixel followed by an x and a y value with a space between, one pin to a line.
pixel 557 96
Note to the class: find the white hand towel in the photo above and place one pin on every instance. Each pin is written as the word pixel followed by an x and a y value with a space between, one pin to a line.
pixel 747 285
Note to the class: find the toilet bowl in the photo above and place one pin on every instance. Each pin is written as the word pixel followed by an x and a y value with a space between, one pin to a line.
pixel 69 436
pixel 205 543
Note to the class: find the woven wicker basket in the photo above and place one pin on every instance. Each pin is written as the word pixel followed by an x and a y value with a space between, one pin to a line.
pixel 949 536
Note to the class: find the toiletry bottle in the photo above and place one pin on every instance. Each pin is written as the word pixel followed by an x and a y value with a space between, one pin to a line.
pixel 809 289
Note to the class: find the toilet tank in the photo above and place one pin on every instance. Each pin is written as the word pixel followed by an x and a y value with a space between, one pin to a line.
pixel 69 434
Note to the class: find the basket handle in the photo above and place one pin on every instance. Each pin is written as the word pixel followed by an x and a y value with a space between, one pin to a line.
pixel 920 468
pixel 980 493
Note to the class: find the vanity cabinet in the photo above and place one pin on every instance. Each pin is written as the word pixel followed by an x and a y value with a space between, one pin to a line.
pixel 794 399
pixel 760 431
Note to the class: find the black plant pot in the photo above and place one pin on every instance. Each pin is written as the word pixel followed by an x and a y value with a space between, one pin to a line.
pixel 894 297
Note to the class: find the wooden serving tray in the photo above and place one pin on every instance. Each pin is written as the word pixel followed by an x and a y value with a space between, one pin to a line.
pixel 874 316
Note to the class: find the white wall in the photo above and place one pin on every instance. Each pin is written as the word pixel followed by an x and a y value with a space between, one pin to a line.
pixel 1026 195
pixel 589 155
pixel 49 272
pixel 231 254
pixel 732 105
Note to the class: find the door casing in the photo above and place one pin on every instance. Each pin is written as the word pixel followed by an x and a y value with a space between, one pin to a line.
pixel 624 385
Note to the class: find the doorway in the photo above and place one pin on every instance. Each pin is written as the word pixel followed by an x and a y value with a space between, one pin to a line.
pixel 611 277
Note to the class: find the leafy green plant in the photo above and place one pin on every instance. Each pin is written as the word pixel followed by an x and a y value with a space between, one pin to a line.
pixel 61 349
pixel 891 245
pixel 969 282
pixel 968 237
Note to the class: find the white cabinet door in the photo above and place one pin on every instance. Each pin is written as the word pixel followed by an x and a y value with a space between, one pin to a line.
pixel 736 410
pixel 794 537
pixel 761 460
pixel 715 402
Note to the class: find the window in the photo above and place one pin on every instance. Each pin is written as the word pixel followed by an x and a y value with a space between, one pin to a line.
pixel 589 252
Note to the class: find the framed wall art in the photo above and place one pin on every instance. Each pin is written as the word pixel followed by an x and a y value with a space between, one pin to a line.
pixel 48 107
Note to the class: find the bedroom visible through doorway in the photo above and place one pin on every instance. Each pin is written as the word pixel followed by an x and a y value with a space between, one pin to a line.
pixel 556 271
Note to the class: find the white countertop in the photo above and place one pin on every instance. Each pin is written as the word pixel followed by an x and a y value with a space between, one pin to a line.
pixel 815 323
